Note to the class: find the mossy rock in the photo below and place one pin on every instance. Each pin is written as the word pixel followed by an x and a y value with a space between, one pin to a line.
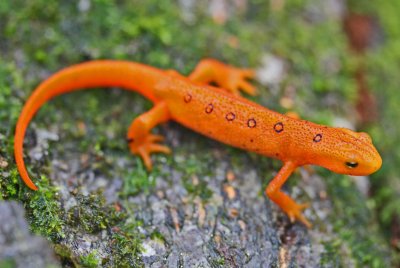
pixel 204 204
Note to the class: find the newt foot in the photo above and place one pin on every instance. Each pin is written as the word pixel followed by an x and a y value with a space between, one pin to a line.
pixel 146 145
pixel 236 80
pixel 295 213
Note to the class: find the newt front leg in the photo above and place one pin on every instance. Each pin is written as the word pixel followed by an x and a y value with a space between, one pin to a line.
pixel 141 141
pixel 288 205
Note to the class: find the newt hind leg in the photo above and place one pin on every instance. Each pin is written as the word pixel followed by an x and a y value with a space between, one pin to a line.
pixel 141 141
pixel 288 205
pixel 226 76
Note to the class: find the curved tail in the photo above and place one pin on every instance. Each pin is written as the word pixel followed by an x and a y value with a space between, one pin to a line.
pixel 128 75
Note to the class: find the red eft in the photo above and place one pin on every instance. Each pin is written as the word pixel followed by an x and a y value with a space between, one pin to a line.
pixel 216 112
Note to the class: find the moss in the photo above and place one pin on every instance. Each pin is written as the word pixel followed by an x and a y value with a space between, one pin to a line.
pixel 8 263
pixel 92 214
pixel 332 251
pixel 195 169
pixel 138 180
pixel 90 260
pixel 156 235
pixel 62 251
pixel 10 184
pixel 10 103
pixel 382 65
pixel 66 255
pixel 365 245
pixel 199 189
pixel 44 211
pixel 127 244
pixel 219 262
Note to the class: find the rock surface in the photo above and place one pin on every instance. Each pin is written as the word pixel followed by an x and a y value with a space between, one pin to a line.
pixel 17 245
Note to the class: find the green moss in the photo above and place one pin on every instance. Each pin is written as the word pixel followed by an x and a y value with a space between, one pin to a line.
pixel 331 253
pixel 10 103
pixel 90 260
pixel 127 244
pixel 365 245
pixel 138 180
pixel 382 65
pixel 44 211
pixel 8 263
pixel 92 214
pixel 194 170
pixel 156 235
pixel 67 256
pixel 10 184
pixel 219 262
pixel 63 252
pixel 200 189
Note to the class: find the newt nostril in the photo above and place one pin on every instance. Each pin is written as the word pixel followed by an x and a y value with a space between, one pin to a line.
pixel 365 137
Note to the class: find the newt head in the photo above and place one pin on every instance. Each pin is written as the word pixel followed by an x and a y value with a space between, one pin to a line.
pixel 347 152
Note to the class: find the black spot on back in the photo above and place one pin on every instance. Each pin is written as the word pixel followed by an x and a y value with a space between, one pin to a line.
pixel 230 116
pixel 278 127
pixel 187 98
pixel 209 108
pixel 317 138
pixel 251 123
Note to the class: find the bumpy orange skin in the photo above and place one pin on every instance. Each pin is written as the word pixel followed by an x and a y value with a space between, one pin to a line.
pixel 219 113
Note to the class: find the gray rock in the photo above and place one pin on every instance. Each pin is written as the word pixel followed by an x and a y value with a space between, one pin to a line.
pixel 18 247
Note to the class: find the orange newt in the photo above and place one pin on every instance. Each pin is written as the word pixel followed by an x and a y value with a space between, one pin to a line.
pixel 219 113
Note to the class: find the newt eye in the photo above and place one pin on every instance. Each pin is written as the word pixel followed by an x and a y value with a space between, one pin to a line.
pixel 351 164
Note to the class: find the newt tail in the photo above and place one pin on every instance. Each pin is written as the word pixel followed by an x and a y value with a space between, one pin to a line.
pixel 127 75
